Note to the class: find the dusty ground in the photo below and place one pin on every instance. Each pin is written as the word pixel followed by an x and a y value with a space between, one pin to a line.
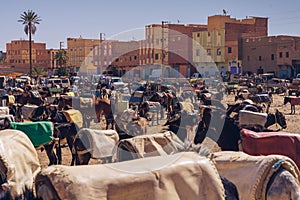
pixel 293 125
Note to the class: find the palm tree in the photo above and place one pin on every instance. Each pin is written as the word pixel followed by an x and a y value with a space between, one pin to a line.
pixel 61 58
pixel 30 19
pixel 38 72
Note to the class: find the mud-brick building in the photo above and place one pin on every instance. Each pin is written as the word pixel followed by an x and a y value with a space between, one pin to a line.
pixel 219 48
pixel 17 56
pixel 274 54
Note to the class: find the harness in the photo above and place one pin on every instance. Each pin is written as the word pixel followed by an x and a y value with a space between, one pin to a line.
pixel 82 152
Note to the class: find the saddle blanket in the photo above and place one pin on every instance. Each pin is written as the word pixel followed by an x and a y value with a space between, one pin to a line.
pixel 19 162
pixel 266 143
pixel 251 174
pixel 180 176
pixel 4 110
pixel 38 132
pixel 100 143
pixel 295 100
pixel 73 115
pixel 148 145
pixel 247 117
pixel 27 110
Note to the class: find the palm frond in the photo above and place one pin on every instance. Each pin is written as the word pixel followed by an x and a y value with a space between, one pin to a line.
pixel 29 19
pixel 33 29
pixel 26 29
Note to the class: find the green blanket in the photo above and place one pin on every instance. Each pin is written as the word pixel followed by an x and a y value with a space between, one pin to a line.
pixel 38 132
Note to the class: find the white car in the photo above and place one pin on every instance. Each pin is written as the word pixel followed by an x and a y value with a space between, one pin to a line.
pixel 117 82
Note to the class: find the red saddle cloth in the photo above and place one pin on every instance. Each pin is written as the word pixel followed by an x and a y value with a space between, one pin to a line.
pixel 295 100
pixel 267 143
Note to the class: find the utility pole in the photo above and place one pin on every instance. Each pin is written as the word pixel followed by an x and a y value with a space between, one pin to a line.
pixel 163 48
pixel 101 52
pixel 60 45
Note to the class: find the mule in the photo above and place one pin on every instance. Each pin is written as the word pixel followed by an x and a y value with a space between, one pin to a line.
pixel 66 131
pixel 30 97
pixel 63 129
pixel 235 108
pixel 228 138
pixel 293 101
pixel 259 99
pixel 103 107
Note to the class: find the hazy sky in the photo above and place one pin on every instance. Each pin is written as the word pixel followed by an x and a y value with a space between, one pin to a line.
pixel 73 18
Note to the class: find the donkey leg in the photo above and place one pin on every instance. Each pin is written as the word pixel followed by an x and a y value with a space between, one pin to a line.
pixel 49 148
pixel 294 108
pixel 58 152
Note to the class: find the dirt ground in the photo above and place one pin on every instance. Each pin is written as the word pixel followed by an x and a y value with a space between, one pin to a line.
pixel 293 125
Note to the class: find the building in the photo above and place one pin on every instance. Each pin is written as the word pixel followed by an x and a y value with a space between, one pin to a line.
pixel 276 54
pixel 218 49
pixel 80 53
pixel 170 45
pixel 17 56
pixel 116 57
pixel 53 62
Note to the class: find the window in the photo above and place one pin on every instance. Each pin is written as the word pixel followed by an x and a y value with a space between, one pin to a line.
pixel 171 55
pixel 209 52
pixel 218 52
pixel 229 50
pixel 198 34
pixel 259 58
pixel 280 54
pixel 157 41
pixel 197 52
pixel 248 58
pixel 156 56
pixel 273 57
pixel 287 54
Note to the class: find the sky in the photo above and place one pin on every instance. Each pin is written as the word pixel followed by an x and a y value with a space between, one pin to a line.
pixel 62 19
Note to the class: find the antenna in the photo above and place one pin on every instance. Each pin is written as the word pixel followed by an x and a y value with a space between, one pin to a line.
pixel 225 12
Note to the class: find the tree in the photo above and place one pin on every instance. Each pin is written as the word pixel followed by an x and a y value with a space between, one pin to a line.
pixel 29 19
pixel 38 72
pixel 62 71
pixel 61 58
pixel 2 59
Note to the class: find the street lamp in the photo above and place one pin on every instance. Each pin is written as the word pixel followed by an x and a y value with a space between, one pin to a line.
pixel 101 52
pixel 163 47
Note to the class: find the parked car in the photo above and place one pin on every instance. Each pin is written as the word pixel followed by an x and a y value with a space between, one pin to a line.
pixel 63 82
pixel 117 82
